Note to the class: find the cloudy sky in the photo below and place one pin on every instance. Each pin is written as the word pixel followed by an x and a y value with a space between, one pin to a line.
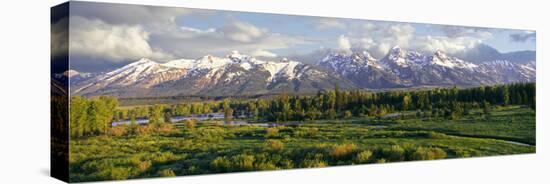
pixel 103 35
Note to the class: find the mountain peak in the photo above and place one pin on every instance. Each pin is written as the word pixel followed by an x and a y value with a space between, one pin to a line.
pixel 396 47
pixel 367 55
pixel 440 53
pixel 236 55
pixel 396 52
pixel 142 62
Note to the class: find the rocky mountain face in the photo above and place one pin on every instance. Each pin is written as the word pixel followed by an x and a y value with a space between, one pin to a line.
pixel 402 69
pixel 237 74
pixel 234 74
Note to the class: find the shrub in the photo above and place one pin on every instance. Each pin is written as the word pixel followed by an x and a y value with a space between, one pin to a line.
pixel 428 154
pixel 144 165
pixel 132 129
pixel 264 166
pixel 286 164
pixel 164 157
pixel 118 173
pixel 343 150
pixel 314 163
pixel 305 132
pixel 138 163
pixel 243 162
pixel 145 130
pixel 314 160
pixel 193 170
pixel 209 134
pixel 118 131
pixel 363 156
pixel 394 153
pixel 271 132
pixel 274 145
pixel 190 124
pixel 166 173
pixel 166 129
pixel 462 152
pixel 220 164
pixel 435 135
pixel 347 114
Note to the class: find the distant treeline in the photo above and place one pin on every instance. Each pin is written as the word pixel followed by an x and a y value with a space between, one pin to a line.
pixel 93 116
pixel 448 102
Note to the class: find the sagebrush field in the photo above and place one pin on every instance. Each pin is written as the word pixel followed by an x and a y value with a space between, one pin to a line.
pixel 285 131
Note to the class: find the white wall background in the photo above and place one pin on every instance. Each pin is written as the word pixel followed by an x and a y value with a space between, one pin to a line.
pixel 24 90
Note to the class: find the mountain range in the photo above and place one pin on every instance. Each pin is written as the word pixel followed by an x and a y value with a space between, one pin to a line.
pixel 238 74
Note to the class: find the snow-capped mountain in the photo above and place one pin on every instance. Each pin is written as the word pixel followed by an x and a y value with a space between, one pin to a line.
pixel 401 68
pixel 234 74
pixel 238 74
pixel 505 71
pixel 361 69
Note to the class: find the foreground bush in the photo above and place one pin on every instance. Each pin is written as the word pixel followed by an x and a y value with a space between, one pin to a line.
pixel 428 154
pixel 243 162
pixel 363 157
pixel 342 151
pixel 118 131
pixel 314 160
pixel 166 173
pixel 274 145
pixel 221 164
pixel 393 153
pixel 190 124
pixel 271 132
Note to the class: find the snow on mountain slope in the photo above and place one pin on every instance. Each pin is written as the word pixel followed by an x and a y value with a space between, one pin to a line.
pixel 506 71
pixel 398 57
pixel 237 74
pixel 204 75
pixel 144 73
pixel 441 59
pixel 144 70
pixel 344 63
pixel 401 68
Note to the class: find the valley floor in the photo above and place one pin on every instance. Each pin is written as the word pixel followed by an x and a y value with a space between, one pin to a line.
pixel 210 148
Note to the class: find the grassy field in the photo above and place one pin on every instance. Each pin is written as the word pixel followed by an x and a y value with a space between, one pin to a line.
pixel 507 123
pixel 212 148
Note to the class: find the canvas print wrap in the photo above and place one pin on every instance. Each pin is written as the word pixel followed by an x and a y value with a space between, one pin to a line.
pixel 147 91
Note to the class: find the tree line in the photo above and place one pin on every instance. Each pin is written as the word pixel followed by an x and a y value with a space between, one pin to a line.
pixel 94 116
pixel 444 102
pixel 91 116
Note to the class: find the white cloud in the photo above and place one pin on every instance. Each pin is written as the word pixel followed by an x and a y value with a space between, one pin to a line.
pixel 457 32
pixel 262 53
pixel 523 36
pixel 328 23
pixel 456 39
pixel 344 43
pixel 380 37
pixel 119 32
pixel 129 14
pixel 242 31
pixel 97 39
pixel 449 45
pixel 191 42
pixel 195 30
